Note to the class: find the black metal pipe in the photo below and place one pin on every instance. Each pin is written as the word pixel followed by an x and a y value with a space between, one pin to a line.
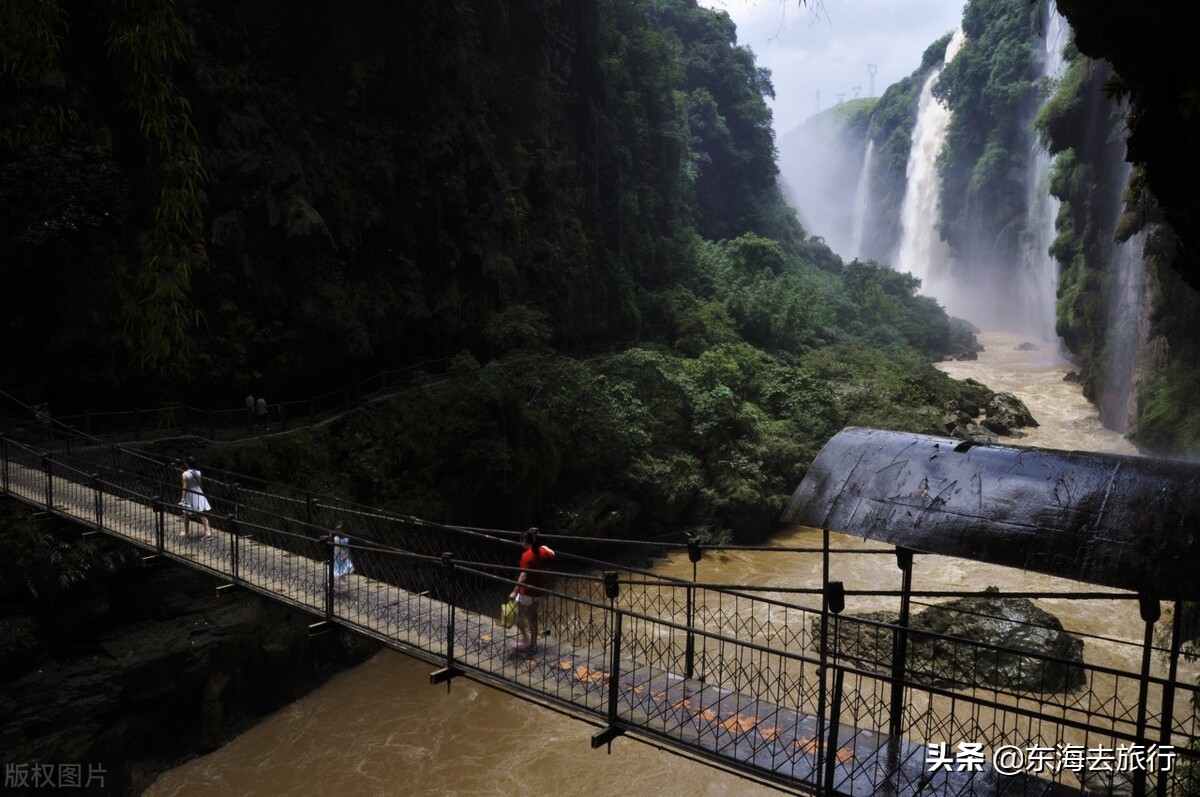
pixel 98 498
pixel 159 524
pixel 1150 611
pixel 835 715
pixel 823 649
pixel 231 525
pixel 331 551
pixel 689 652
pixel 49 483
pixel 904 560
pixel 615 673
pixel 448 565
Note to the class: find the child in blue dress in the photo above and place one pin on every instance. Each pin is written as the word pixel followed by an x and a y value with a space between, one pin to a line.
pixel 343 565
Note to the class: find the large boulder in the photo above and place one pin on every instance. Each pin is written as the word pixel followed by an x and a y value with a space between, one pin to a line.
pixel 1006 413
pixel 1029 643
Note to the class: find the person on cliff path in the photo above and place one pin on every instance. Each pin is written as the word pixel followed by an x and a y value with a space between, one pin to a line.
pixel 260 413
pixel 193 501
pixel 249 413
pixel 528 590
pixel 41 414
pixel 343 565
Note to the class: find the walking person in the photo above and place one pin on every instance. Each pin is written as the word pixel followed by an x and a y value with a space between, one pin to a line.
pixel 193 501
pixel 41 413
pixel 260 412
pixel 249 413
pixel 343 565
pixel 528 590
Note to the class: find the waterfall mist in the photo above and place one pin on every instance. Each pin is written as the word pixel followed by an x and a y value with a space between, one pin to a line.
pixel 822 165
pixel 1037 276
pixel 862 202
pixel 1127 333
pixel 921 251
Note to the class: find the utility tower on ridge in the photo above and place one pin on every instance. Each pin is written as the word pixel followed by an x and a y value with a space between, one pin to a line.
pixel 871 71
pixel 841 95
pixel 856 90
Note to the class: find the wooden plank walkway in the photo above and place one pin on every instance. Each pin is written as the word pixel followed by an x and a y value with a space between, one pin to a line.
pixel 734 729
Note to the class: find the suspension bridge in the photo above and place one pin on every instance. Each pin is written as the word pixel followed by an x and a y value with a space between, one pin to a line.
pixel 753 681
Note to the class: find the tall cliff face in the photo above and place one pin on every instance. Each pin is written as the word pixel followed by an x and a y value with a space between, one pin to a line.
pixel 990 89
pixel 1150 50
pixel 1156 75
pixel 304 191
pixel 1127 304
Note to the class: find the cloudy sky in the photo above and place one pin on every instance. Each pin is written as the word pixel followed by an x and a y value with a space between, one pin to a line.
pixel 826 45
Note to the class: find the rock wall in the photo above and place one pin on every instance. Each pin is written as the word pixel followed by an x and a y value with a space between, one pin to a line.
pixel 145 668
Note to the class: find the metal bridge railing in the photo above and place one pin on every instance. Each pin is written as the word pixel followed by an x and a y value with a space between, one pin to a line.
pixel 233 422
pixel 791 686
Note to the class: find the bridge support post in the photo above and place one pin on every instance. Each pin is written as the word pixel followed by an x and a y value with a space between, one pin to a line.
pixel 5 454
pixel 607 735
pixel 1150 611
pixel 904 560
pixel 159 523
pixel 689 655
pixel 98 497
pixel 823 653
pixel 234 547
pixel 46 467
pixel 449 672
pixel 331 550
pixel 1168 696
pixel 835 716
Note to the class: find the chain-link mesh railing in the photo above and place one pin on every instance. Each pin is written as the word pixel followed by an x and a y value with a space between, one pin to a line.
pixel 785 684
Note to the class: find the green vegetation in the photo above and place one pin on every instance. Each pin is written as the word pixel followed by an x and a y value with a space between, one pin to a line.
pixel 989 87
pixel 762 358
pixel 42 559
pixel 287 196
pixel 150 40
pixel 1169 416
pixel 1072 124
pixel 51 139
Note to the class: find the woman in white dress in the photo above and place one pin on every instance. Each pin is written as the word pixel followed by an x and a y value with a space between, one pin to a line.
pixel 193 500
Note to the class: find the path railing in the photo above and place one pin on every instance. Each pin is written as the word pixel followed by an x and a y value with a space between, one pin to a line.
pixel 234 422
pixel 801 687
pixel 229 423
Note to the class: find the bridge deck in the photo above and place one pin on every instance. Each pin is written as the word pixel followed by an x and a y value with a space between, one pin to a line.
pixel 736 729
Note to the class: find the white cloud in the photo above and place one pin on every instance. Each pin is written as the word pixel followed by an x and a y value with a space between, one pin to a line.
pixel 826 45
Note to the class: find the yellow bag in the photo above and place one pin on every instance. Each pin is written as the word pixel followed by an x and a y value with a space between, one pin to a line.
pixel 508 614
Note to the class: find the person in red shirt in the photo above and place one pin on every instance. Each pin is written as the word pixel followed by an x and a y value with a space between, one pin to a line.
pixel 528 590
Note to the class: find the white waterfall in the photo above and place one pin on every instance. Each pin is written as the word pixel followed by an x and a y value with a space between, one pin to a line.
pixel 921 251
pixel 1127 333
pixel 862 202
pixel 1036 285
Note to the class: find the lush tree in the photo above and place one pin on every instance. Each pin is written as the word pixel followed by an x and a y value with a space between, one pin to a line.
pixel 989 87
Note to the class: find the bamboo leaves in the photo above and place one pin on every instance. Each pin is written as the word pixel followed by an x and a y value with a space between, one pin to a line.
pixel 149 38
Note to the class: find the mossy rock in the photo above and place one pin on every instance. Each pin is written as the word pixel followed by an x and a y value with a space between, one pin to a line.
pixel 1001 643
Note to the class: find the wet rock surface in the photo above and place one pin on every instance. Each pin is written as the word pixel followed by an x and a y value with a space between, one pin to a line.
pixel 1006 414
pixel 1029 643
